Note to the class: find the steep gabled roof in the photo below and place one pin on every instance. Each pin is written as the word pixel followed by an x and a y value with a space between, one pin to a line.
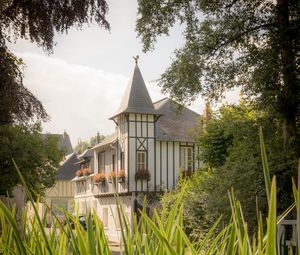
pixel 67 170
pixel 107 140
pixel 136 98
pixel 175 123
pixel 88 153
pixel 63 143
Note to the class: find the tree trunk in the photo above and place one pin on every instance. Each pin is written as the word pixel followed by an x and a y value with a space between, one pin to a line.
pixel 290 99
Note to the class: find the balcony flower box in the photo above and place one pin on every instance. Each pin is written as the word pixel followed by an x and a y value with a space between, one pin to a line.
pixel 99 178
pixel 79 173
pixel 83 172
pixel 142 174
pixel 112 177
pixel 121 176
pixel 86 171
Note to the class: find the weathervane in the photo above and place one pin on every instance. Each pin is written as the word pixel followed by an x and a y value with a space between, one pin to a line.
pixel 136 59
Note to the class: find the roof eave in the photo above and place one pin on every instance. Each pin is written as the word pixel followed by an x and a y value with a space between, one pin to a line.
pixel 156 113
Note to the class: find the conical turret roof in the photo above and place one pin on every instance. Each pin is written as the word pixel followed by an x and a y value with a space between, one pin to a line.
pixel 136 98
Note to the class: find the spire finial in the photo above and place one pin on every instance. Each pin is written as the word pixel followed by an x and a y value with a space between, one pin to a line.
pixel 136 59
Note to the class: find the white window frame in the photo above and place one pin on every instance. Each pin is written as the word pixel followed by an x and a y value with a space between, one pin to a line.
pixel 141 163
pixel 186 159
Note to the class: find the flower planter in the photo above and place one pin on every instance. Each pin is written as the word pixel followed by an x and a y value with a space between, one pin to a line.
pixel 79 173
pixel 121 179
pixel 121 176
pixel 99 178
pixel 143 175
pixel 112 180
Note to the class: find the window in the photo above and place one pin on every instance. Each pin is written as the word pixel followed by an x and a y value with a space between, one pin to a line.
pixel 141 160
pixel 114 162
pixel 105 217
pixel 186 160
pixel 101 161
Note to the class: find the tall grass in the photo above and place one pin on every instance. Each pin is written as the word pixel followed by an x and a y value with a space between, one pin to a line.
pixel 160 234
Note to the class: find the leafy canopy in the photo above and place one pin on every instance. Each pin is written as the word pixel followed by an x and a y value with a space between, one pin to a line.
pixel 37 21
pixel 251 44
pixel 84 145
pixel 230 152
pixel 37 157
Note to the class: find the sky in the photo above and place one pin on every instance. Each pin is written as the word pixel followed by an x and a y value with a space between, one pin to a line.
pixel 82 82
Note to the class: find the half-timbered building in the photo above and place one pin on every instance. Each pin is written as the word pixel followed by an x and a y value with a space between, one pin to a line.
pixel 149 148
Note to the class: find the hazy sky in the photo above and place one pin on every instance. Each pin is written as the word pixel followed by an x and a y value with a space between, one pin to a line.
pixel 82 82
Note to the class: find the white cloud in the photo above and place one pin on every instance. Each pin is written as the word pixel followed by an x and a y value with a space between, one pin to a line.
pixel 79 99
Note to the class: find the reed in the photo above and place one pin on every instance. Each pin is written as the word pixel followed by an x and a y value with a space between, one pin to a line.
pixel 160 234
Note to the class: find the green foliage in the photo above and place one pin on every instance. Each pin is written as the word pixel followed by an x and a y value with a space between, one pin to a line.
pixel 161 234
pixel 39 158
pixel 17 104
pixel 38 21
pixel 230 151
pixel 84 145
pixel 251 44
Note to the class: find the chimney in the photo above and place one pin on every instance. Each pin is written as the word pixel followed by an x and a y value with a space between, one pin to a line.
pixel 98 137
pixel 206 113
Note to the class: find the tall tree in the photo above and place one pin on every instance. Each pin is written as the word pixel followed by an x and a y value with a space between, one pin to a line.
pixel 36 21
pixel 252 44
pixel 84 145
pixel 37 158
pixel 230 152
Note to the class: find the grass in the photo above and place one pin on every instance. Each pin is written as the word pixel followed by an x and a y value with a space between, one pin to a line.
pixel 161 234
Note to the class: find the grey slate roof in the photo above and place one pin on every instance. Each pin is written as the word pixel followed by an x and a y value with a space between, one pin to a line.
pixel 136 98
pixel 67 170
pixel 86 154
pixel 107 140
pixel 64 142
pixel 174 125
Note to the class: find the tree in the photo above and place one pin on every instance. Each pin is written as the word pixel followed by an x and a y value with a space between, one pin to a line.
pixel 230 151
pixel 37 158
pixel 17 104
pixel 36 21
pixel 84 145
pixel 251 44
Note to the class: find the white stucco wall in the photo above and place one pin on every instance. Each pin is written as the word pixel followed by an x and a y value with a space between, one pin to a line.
pixel 112 229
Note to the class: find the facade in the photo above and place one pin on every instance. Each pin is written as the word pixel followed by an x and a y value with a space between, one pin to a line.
pixel 146 152
pixel 61 195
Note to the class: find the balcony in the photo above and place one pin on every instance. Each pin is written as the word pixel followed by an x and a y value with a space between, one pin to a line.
pixel 104 184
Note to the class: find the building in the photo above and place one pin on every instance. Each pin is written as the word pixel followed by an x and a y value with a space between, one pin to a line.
pixel 145 153
pixel 61 195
